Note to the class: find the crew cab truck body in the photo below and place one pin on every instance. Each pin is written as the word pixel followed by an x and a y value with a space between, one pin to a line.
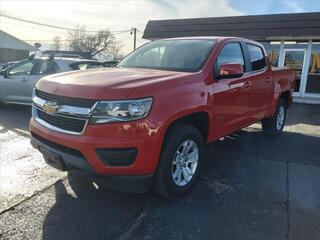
pixel 144 124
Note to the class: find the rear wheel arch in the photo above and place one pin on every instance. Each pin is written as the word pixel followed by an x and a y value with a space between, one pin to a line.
pixel 286 96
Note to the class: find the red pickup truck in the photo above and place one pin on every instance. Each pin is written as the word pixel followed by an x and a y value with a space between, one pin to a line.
pixel 144 123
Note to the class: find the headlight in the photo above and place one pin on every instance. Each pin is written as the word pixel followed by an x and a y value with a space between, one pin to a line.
pixel 33 93
pixel 121 111
pixel 33 109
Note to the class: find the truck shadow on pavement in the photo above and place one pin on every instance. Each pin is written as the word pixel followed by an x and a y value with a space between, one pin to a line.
pixel 14 117
pixel 84 210
pixel 242 194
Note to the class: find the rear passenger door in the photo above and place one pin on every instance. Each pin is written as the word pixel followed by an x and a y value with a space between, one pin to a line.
pixel 261 83
pixel 45 67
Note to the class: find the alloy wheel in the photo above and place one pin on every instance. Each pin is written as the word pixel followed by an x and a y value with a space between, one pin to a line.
pixel 185 162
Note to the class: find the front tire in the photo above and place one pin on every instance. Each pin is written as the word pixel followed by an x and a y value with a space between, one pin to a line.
pixel 180 162
pixel 274 126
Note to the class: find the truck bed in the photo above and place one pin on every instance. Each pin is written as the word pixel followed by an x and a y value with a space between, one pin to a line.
pixel 284 77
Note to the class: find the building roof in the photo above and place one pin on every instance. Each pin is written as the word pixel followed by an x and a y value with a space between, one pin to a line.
pixel 9 41
pixel 256 27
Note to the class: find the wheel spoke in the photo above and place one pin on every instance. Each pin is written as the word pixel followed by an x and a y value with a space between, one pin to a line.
pixel 184 147
pixel 185 174
pixel 189 171
pixel 174 162
pixel 190 145
pixel 193 156
pixel 177 175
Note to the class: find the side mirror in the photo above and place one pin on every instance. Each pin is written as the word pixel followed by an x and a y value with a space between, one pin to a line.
pixel 230 70
pixel 32 56
pixel 4 73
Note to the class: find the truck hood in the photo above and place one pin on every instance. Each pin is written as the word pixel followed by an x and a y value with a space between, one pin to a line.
pixel 112 83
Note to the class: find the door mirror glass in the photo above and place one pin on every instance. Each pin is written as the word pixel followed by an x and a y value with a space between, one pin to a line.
pixel 230 70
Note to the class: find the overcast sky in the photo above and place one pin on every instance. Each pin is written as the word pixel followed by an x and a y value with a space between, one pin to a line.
pixel 123 15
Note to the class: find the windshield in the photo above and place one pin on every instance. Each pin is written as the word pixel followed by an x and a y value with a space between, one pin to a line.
pixel 187 55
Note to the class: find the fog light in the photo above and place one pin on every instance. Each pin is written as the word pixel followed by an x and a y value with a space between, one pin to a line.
pixel 117 156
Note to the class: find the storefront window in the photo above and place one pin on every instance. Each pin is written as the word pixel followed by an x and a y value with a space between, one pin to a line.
pixel 273 49
pixel 294 59
pixel 313 82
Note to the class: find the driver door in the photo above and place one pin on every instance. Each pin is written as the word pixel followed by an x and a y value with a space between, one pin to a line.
pixel 15 86
pixel 230 95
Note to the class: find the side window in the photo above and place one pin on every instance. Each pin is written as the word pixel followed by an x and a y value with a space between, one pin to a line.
pixel 48 67
pixel 257 58
pixel 231 53
pixel 24 68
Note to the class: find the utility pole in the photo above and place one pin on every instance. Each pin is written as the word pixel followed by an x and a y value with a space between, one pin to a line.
pixel 134 32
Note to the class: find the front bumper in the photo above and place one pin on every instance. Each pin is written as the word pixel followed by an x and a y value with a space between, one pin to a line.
pixel 80 152
pixel 70 160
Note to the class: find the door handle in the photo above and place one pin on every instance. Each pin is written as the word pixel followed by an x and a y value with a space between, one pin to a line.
pixel 267 80
pixel 24 80
pixel 247 84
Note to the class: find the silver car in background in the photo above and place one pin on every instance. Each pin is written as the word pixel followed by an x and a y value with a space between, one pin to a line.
pixel 18 80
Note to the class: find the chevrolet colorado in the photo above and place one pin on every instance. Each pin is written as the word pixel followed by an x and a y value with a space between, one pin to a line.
pixel 144 123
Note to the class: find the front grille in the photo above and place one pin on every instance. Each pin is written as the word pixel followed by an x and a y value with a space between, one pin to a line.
pixel 60 100
pixel 64 123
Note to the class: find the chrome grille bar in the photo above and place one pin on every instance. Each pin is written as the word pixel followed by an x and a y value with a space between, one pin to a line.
pixel 62 111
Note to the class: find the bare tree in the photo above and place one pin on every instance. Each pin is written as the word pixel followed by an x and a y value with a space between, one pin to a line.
pixel 77 39
pixel 116 50
pixel 81 40
pixel 56 43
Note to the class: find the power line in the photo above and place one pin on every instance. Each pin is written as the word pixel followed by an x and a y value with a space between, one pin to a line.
pixel 62 40
pixel 30 27
pixel 52 26
pixel 45 40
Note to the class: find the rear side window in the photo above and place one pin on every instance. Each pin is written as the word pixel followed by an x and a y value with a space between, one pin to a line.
pixel 231 53
pixel 49 67
pixel 257 58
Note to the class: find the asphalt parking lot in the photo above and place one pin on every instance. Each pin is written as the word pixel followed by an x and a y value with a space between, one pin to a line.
pixel 252 187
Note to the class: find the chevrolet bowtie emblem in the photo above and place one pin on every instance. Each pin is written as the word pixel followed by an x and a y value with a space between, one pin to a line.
pixel 50 107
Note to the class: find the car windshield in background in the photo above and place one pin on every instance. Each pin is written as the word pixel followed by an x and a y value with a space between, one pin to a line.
pixel 186 55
